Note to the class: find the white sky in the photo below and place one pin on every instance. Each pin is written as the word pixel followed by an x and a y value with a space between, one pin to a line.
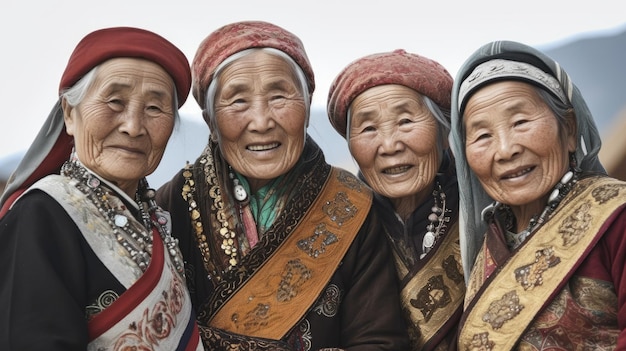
pixel 37 38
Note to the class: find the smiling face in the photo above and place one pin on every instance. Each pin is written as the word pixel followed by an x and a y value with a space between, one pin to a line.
pixel 515 146
pixel 123 123
pixel 260 117
pixel 393 138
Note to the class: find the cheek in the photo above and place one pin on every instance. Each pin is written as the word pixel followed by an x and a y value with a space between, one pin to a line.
pixel 477 161
pixel 162 131
pixel 228 128
pixel 363 152
pixel 294 124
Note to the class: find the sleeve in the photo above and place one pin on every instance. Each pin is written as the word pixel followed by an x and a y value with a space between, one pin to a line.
pixel 42 294
pixel 371 317
pixel 614 257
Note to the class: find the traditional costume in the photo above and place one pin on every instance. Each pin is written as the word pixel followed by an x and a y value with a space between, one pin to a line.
pixel 425 245
pixel 317 274
pixel 86 267
pixel 563 286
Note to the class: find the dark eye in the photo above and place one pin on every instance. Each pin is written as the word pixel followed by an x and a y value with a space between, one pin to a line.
pixel 116 104
pixel 405 121
pixel 154 108
pixel 519 122
pixel 482 136
pixel 368 129
pixel 277 97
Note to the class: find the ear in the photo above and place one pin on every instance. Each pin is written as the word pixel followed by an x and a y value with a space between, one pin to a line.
pixel 68 117
pixel 571 131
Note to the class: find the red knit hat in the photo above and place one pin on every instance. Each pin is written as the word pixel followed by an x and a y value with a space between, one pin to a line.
pixel 419 73
pixel 240 36
pixel 101 45
pixel 53 146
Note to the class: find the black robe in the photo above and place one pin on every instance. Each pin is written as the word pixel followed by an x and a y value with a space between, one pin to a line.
pixel 359 308
pixel 49 274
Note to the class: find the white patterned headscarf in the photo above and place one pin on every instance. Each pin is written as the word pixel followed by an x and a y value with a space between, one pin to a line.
pixel 507 60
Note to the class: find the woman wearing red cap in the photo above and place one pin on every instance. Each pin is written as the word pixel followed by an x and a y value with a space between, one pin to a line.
pixel 281 249
pixel 393 108
pixel 88 260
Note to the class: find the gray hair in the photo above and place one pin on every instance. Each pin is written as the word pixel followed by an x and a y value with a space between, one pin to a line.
pixel 75 94
pixel 297 70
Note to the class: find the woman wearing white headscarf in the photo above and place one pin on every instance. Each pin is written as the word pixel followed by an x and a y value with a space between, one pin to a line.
pixel 542 225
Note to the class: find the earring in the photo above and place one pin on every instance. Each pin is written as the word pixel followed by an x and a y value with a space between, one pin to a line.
pixel 573 162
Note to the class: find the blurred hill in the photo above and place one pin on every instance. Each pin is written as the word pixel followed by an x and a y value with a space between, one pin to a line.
pixel 595 63
pixel 596 66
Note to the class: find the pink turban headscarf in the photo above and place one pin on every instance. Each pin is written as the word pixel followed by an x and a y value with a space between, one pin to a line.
pixel 419 73
pixel 239 36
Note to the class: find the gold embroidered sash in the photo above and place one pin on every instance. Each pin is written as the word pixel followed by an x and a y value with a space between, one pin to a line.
pixel 436 292
pixel 280 293
pixel 527 282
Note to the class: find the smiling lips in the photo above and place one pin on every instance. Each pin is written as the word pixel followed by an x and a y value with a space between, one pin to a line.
pixel 263 147
pixel 396 170
pixel 129 149
pixel 517 173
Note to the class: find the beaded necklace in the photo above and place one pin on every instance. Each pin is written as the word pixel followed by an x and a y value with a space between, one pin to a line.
pixel 561 189
pixel 438 220
pixel 135 238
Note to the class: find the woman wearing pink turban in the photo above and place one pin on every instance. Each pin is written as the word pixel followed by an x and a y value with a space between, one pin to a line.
pixel 281 249
pixel 88 261
pixel 393 108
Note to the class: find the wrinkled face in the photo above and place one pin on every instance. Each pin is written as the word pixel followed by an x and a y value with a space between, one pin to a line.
pixel 260 117
pixel 122 125
pixel 393 138
pixel 514 144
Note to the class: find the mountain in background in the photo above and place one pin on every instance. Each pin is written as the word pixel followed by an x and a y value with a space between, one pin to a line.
pixel 595 64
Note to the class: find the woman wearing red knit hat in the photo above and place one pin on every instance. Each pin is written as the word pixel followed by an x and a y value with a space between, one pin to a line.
pixel 88 260
pixel 282 250
pixel 393 108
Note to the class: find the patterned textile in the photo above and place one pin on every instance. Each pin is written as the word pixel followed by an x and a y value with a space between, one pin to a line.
pixel 155 312
pixel 565 295
pixel 432 288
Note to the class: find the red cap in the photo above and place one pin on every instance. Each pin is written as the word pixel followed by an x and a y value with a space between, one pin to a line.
pixel 104 44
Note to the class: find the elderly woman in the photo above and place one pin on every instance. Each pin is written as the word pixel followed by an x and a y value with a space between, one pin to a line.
pixel 281 249
pixel 393 108
pixel 87 261
pixel 549 272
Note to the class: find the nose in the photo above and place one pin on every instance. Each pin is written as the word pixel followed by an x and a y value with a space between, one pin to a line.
pixel 261 117
pixel 390 143
pixel 507 148
pixel 133 121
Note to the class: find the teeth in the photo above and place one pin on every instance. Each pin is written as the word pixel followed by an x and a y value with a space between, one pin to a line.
pixel 396 170
pixel 520 173
pixel 262 147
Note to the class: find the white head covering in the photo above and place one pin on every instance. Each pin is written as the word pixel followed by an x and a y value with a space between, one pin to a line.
pixel 507 60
